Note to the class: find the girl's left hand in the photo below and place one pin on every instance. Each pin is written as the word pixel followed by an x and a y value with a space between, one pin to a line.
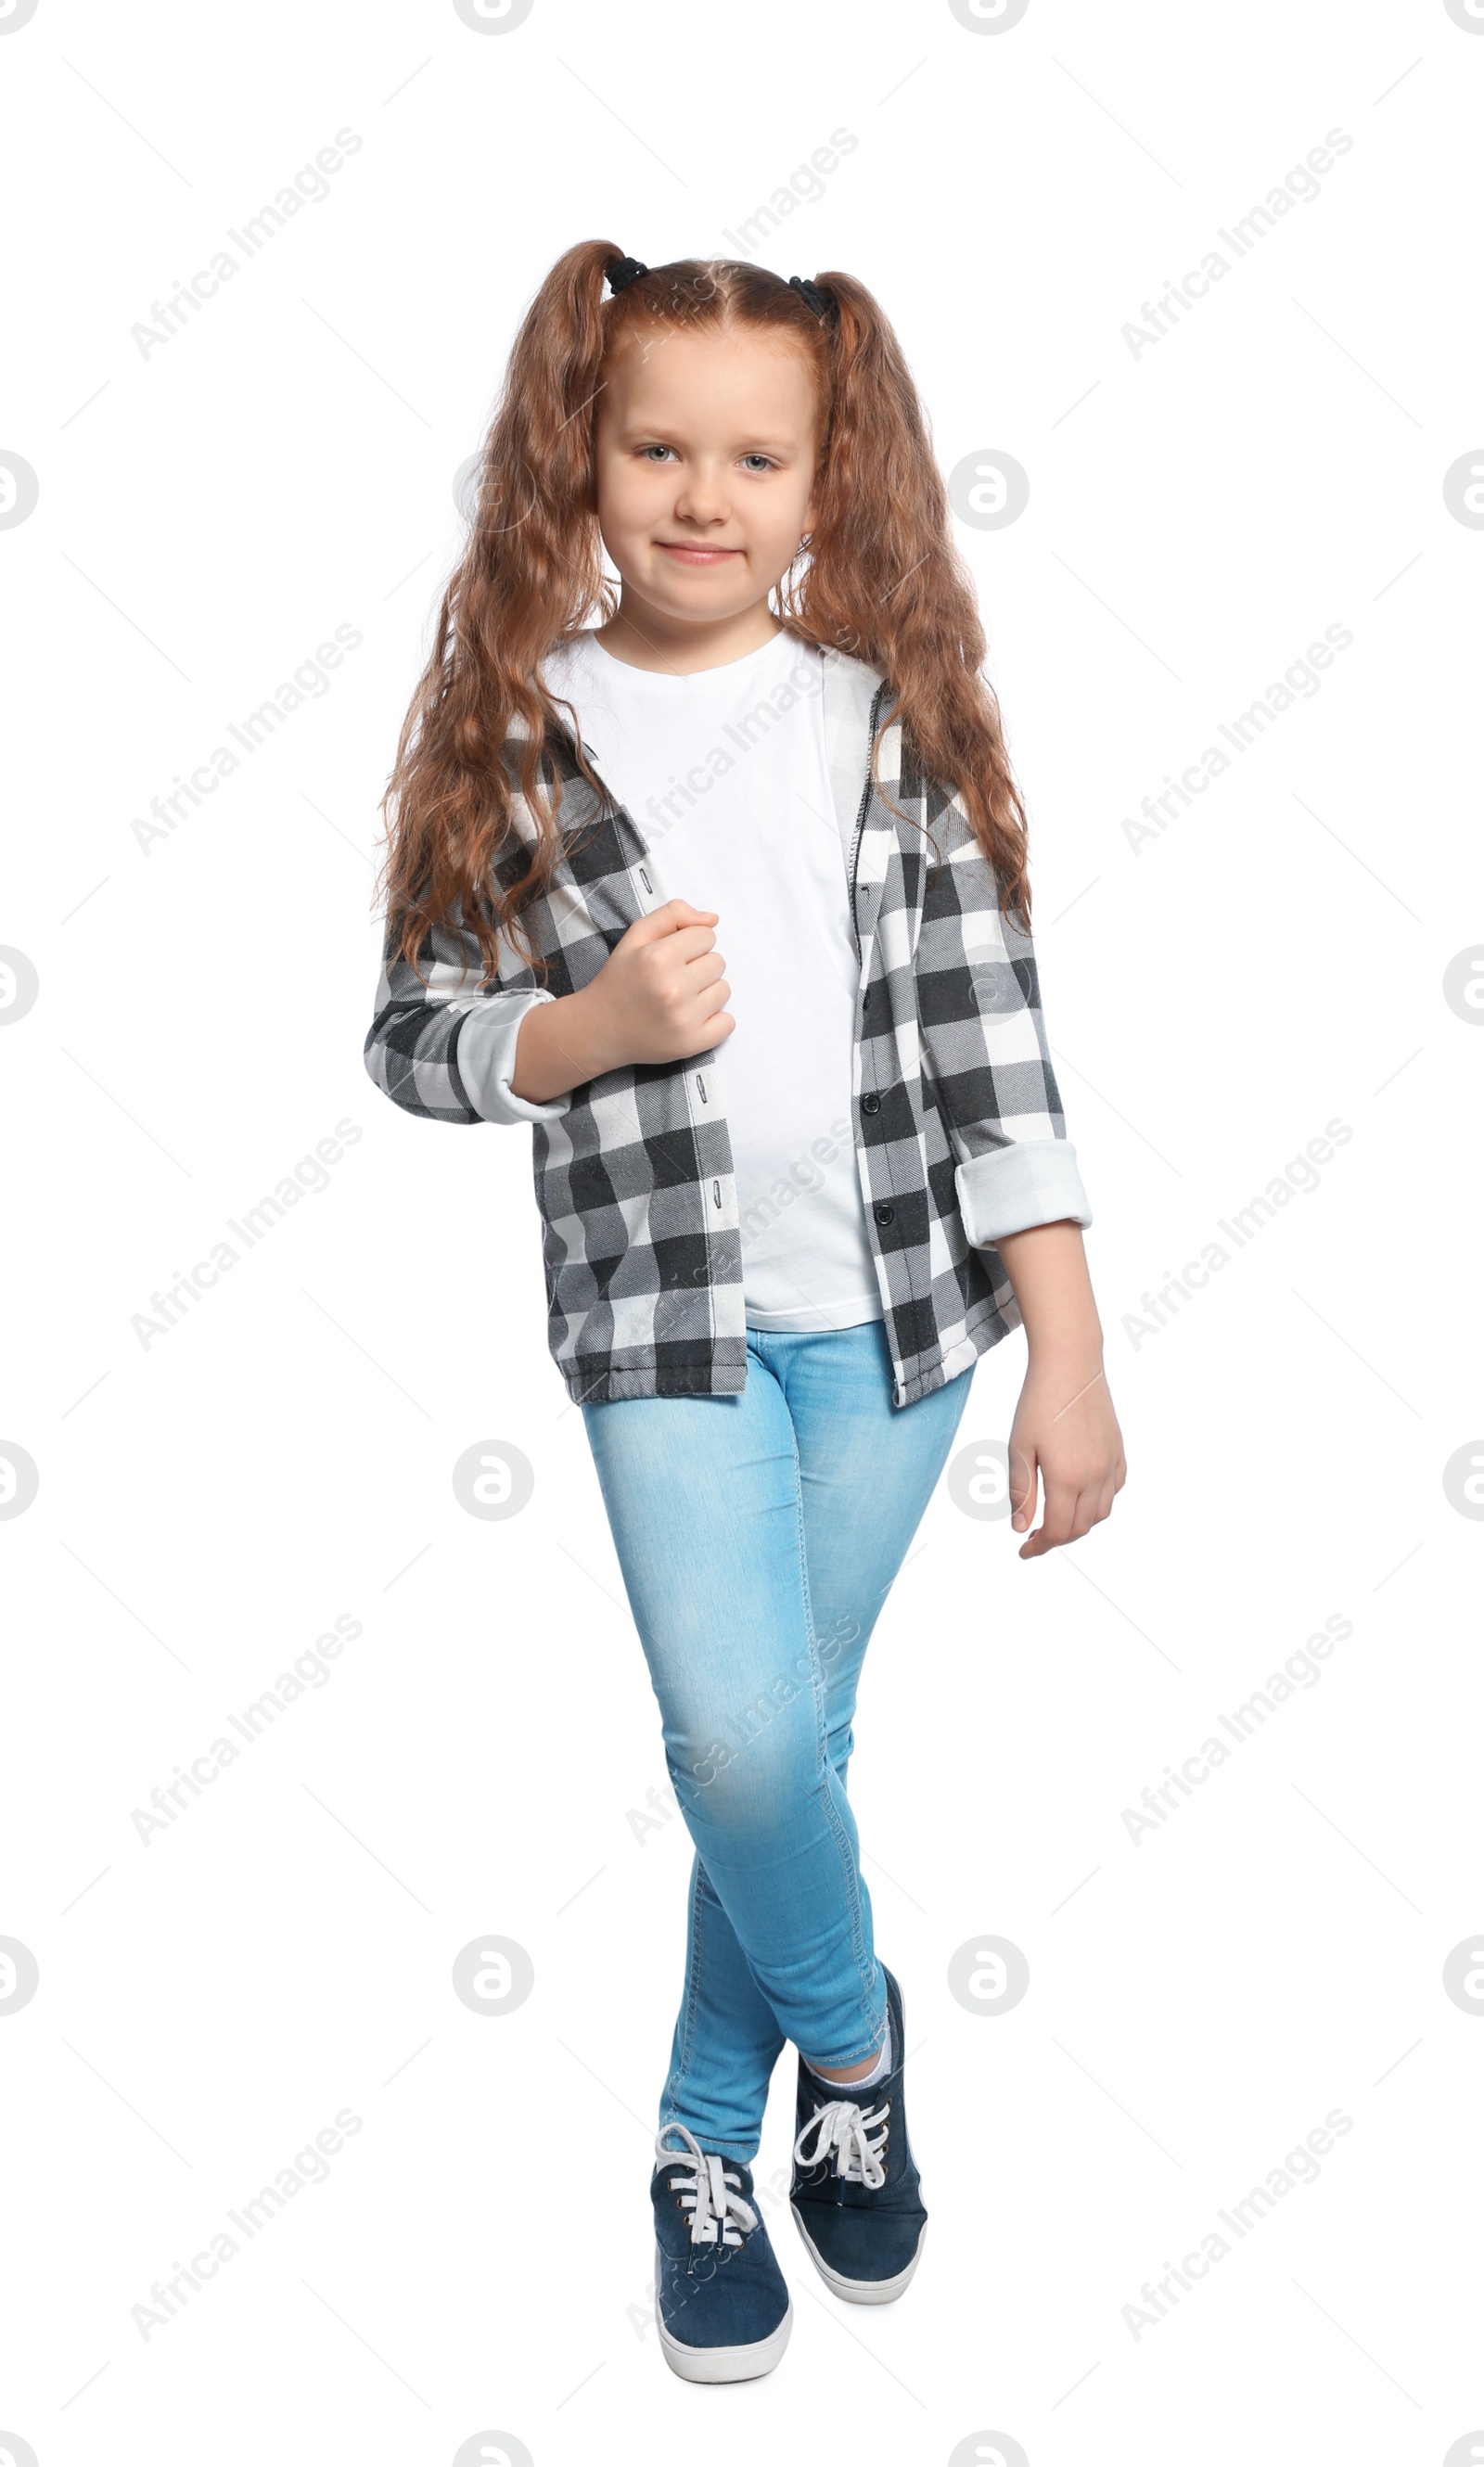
pixel 1067 1430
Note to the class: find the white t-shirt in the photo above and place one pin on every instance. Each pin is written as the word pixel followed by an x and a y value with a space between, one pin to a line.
pixel 726 776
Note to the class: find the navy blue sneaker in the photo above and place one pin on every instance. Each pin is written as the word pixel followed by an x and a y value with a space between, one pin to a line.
pixel 857 2196
pixel 723 2311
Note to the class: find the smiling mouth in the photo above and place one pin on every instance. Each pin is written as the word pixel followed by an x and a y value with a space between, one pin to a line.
pixel 693 552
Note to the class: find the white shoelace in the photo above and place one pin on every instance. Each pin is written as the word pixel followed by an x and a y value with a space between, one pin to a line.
pixel 712 2195
pixel 844 2128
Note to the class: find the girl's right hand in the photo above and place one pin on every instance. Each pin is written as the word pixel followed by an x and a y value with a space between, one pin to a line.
pixel 660 994
pixel 656 998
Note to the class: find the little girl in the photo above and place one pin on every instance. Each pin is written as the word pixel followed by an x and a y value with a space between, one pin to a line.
pixel 776 1243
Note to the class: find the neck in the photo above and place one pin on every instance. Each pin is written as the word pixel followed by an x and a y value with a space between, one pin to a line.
pixel 645 637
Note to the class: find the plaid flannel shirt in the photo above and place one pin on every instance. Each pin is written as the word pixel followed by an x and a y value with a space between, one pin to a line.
pixel 958 1126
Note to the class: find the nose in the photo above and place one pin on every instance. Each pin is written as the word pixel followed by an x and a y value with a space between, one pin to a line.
pixel 702 498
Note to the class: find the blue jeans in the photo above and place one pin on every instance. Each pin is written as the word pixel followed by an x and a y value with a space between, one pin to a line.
pixel 758 1535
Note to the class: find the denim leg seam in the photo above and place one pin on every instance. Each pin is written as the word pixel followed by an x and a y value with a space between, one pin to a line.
pixel 693 1969
pixel 680 2072
pixel 822 1748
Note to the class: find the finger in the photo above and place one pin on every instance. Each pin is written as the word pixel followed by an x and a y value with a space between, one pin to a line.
pixel 1056 1524
pixel 1022 1489
pixel 691 942
pixel 1085 1515
pixel 1063 1501
pixel 677 916
pixel 1086 1508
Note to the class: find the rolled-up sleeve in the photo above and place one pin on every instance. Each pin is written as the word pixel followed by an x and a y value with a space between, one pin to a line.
pixel 487 1040
pixel 1033 1182
pixel 443 1042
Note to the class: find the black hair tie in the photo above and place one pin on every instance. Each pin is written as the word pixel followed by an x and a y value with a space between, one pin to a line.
pixel 819 301
pixel 623 271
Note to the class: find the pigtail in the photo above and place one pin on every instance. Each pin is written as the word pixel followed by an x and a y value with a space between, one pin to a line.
pixel 537 552
pixel 886 583
pixel 532 573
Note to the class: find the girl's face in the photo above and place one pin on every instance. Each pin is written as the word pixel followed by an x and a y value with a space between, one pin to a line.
pixel 705 464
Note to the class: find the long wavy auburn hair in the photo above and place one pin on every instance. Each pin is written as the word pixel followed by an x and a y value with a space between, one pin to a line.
pixel 879 577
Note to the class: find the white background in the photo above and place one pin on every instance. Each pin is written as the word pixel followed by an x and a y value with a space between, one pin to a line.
pixel 479 2260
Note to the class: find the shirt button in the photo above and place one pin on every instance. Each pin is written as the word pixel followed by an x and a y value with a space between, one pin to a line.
pixel 883 1212
pixel 870 1103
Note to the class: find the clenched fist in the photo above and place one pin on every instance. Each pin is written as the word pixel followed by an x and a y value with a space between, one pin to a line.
pixel 660 996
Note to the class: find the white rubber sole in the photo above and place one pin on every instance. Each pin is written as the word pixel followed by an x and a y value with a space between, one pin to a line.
pixel 860 2291
pixel 724 2363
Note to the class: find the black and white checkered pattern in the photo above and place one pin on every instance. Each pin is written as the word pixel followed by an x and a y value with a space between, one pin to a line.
pixel 958 1125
